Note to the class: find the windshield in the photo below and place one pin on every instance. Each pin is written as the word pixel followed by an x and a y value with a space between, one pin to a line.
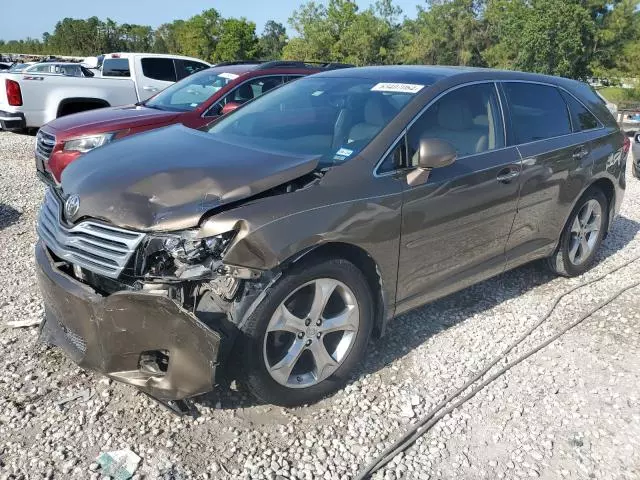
pixel 330 117
pixel 190 92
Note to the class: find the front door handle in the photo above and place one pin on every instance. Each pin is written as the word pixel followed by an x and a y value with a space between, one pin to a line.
pixel 508 174
pixel 580 152
pixel 149 88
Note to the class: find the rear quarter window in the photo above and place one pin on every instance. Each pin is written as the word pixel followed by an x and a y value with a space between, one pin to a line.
pixel 581 118
pixel 537 111
pixel 116 67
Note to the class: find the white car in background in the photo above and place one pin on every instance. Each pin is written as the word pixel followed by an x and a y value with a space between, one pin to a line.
pixel 60 68
pixel 19 67
pixel 31 100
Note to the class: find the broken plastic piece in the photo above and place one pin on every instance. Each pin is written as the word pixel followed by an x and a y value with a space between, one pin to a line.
pixel 179 407
pixel 83 395
pixel 25 323
pixel 119 464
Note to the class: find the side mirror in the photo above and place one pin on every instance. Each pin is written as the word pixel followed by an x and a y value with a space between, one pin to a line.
pixel 229 107
pixel 435 153
pixel 432 153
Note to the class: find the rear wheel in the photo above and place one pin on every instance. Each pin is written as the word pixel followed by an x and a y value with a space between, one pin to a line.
pixel 582 235
pixel 308 334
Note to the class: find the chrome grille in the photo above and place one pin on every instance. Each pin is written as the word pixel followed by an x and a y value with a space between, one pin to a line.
pixel 97 247
pixel 44 145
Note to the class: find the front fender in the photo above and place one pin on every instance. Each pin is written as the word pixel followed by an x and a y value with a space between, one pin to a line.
pixel 370 224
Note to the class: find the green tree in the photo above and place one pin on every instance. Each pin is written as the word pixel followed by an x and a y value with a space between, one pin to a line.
pixel 617 38
pixel 272 41
pixel 555 37
pixel 314 41
pixel 167 36
pixel 340 32
pixel 450 32
pixel 237 41
pixel 136 38
pixel 198 36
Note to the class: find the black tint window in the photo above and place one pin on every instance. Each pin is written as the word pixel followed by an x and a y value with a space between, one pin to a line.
pixel 247 91
pixel 581 118
pixel 537 112
pixel 159 69
pixel 468 118
pixel 184 68
pixel 116 67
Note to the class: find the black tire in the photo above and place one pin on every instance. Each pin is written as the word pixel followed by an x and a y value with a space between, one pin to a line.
pixel 254 373
pixel 559 262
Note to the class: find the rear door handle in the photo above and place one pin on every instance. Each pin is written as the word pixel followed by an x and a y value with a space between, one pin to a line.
pixel 580 152
pixel 149 88
pixel 508 174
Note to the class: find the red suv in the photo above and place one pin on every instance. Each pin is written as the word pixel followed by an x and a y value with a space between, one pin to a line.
pixel 194 101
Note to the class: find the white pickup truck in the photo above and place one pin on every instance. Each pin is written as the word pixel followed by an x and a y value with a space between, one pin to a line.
pixel 30 100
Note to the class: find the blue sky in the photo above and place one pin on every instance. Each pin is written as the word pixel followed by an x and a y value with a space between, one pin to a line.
pixel 34 17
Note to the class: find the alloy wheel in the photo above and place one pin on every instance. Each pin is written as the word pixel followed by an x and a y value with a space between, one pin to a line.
pixel 585 231
pixel 311 333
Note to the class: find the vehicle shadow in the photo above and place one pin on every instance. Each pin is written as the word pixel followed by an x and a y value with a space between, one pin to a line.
pixel 8 216
pixel 412 329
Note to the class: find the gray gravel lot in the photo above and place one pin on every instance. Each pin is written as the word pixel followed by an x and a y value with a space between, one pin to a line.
pixel 570 411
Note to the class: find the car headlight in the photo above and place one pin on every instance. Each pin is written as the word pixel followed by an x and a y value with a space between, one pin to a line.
pixel 85 144
pixel 182 255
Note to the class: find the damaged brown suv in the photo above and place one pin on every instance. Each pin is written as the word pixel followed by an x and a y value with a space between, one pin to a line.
pixel 283 237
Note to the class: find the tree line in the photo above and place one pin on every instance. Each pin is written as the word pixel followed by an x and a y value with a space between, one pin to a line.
pixel 572 38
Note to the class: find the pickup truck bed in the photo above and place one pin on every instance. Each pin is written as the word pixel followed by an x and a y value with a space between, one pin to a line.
pixel 29 100
pixel 46 97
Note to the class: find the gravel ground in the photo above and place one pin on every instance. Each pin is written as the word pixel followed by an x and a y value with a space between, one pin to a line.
pixel 570 411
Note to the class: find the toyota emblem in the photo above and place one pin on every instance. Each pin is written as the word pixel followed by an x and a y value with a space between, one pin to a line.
pixel 71 206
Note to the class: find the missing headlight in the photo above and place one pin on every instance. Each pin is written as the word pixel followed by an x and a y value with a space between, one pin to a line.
pixel 182 255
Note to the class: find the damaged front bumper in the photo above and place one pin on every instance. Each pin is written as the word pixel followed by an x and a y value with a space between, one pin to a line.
pixel 120 335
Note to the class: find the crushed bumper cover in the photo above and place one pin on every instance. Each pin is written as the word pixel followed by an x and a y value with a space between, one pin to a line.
pixel 109 334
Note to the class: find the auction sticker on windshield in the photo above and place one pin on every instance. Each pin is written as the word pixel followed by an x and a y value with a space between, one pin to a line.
pixel 230 76
pixel 397 87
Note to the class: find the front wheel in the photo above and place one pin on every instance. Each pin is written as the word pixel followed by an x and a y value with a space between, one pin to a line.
pixel 582 235
pixel 305 338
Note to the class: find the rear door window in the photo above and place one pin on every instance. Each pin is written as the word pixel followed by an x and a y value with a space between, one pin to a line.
pixel 116 67
pixel 159 68
pixel 537 111
pixel 184 68
pixel 581 118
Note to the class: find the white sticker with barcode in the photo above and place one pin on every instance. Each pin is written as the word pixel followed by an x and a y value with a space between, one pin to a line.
pixel 230 76
pixel 397 87
pixel 344 152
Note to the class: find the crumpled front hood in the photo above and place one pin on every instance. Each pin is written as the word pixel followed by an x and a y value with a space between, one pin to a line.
pixel 168 178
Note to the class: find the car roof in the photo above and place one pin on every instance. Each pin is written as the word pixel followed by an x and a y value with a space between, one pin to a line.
pixel 55 63
pixel 242 68
pixel 110 56
pixel 431 74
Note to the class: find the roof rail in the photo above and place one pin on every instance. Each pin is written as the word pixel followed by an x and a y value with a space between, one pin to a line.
pixel 238 62
pixel 302 64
